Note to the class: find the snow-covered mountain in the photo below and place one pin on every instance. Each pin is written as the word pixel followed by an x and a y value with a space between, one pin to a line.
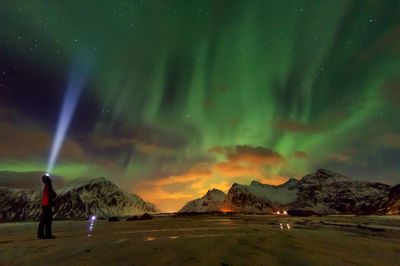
pixel 19 204
pixel 208 203
pixel 322 192
pixel 328 192
pixel 99 197
pixel 393 204
pixel 260 198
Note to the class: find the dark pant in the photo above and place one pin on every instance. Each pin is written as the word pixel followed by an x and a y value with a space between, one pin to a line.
pixel 45 219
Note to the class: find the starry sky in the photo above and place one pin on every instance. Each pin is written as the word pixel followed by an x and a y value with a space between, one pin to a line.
pixel 184 96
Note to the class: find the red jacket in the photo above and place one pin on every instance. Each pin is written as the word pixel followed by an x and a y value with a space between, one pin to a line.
pixel 48 196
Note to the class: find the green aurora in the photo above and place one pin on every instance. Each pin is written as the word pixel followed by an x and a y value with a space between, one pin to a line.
pixel 186 95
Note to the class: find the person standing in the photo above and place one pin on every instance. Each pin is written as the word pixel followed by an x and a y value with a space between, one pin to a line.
pixel 47 214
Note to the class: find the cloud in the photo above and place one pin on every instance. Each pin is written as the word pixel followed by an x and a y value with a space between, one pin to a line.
pixel 297 127
pixel 11 115
pixel 142 142
pixel 198 172
pixel 245 160
pixel 166 201
pixel 391 91
pixel 20 140
pixel 176 189
pixel 223 186
pixel 246 154
pixel 160 194
pixel 149 136
pixel 24 141
pixel 242 162
pixel 300 155
pixel 273 180
pixel 339 157
pixel 27 180
pixel 121 143
pixel 391 140
pixel 234 169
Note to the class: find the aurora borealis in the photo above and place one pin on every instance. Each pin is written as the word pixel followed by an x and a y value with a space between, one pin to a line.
pixel 185 96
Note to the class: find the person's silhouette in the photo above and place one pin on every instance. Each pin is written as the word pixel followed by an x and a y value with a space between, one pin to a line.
pixel 47 214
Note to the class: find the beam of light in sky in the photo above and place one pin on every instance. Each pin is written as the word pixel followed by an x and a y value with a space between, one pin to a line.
pixel 75 85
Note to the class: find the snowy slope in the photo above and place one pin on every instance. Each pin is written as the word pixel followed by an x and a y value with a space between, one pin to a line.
pixel 323 192
pixel 210 202
pixel 98 197
pixel 282 194
pixel 260 198
pixel 393 204
pixel 327 192
pixel 19 204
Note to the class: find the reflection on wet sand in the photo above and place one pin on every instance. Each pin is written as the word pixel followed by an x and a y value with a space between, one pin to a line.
pixel 185 237
pixel 178 229
pixel 222 221
pixel 282 226
pixel 251 240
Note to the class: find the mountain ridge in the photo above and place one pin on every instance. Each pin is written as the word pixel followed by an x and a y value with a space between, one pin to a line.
pixel 321 192
pixel 97 196
pixel 210 201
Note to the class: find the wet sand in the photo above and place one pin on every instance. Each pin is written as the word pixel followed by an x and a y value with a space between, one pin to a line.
pixel 208 240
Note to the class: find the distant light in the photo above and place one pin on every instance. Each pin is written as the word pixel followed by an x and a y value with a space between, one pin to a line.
pixel 47 174
pixel 285 212
pixel 281 226
pixel 91 224
pixel 278 212
pixel 288 226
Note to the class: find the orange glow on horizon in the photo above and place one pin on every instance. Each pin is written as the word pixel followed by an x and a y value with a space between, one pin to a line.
pixel 173 192
pixel 226 209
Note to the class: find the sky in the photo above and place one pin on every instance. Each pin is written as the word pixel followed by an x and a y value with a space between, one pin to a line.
pixel 179 97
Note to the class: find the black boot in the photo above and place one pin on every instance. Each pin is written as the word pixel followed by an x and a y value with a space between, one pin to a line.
pixel 40 233
pixel 49 235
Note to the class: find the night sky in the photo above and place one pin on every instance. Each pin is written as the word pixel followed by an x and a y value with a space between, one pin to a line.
pixel 184 96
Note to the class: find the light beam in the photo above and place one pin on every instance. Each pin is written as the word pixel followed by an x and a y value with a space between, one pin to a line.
pixel 75 85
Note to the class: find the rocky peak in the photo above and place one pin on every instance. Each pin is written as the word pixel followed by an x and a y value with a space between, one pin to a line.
pixel 214 192
pixel 80 199
pixel 395 193
pixel 393 204
pixel 323 176
pixel 322 192
pixel 290 181
pixel 255 183
pixel 210 202
pixel 99 182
